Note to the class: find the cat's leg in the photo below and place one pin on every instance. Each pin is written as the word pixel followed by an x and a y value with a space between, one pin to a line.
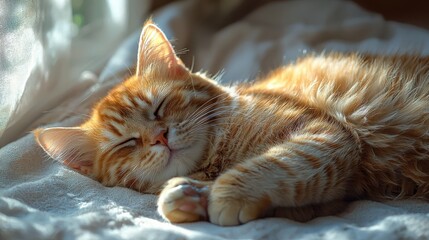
pixel 184 200
pixel 312 167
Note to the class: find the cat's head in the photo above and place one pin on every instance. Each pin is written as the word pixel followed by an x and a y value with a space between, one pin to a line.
pixel 151 127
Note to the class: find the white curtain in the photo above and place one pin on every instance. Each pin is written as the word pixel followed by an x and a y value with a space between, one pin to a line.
pixel 43 52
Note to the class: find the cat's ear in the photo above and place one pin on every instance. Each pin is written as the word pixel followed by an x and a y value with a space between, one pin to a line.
pixel 68 145
pixel 155 51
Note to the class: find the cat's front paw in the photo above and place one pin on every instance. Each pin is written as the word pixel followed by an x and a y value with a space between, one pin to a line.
pixel 183 200
pixel 228 208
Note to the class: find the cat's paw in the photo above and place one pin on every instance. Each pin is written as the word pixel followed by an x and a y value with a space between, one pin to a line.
pixel 230 209
pixel 183 200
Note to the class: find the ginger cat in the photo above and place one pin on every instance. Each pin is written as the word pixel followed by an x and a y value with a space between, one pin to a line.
pixel 296 143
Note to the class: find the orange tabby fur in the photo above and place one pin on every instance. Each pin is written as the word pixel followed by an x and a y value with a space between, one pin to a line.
pixel 296 143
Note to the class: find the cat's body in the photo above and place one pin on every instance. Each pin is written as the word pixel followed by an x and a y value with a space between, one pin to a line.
pixel 309 135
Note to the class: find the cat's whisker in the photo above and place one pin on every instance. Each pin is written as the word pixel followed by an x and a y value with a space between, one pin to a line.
pixel 207 112
pixel 216 115
pixel 130 173
pixel 207 116
pixel 220 116
pixel 203 107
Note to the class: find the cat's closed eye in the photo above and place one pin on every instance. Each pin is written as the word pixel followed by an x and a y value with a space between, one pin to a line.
pixel 156 113
pixel 130 142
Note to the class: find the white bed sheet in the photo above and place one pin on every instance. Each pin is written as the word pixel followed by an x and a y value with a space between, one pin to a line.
pixel 40 199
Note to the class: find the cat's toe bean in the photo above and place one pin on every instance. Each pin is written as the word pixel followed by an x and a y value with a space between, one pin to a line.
pixel 182 203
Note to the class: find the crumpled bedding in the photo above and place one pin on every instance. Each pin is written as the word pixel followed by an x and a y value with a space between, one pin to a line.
pixel 40 199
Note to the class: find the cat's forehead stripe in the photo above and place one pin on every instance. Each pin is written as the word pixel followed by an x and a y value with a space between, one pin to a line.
pixel 135 135
pixel 127 101
pixel 108 134
pixel 117 127
pixel 141 103
pixel 111 113
pixel 141 96
pixel 149 94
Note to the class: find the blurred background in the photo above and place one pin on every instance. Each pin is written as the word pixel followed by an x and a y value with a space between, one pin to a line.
pixel 51 49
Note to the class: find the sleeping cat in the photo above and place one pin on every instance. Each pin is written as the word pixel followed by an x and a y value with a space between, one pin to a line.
pixel 297 143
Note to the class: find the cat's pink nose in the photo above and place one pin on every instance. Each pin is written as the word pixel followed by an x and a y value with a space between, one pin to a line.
pixel 161 138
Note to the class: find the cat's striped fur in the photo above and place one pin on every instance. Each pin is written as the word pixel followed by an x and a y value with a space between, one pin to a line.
pixel 296 143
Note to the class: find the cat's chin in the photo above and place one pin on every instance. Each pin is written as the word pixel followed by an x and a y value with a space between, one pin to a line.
pixel 182 160
pixel 178 156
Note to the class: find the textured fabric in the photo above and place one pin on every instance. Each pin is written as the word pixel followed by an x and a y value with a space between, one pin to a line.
pixel 40 199
pixel 42 54
pixel 27 29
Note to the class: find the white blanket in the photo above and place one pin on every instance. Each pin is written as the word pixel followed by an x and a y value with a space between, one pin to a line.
pixel 40 199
